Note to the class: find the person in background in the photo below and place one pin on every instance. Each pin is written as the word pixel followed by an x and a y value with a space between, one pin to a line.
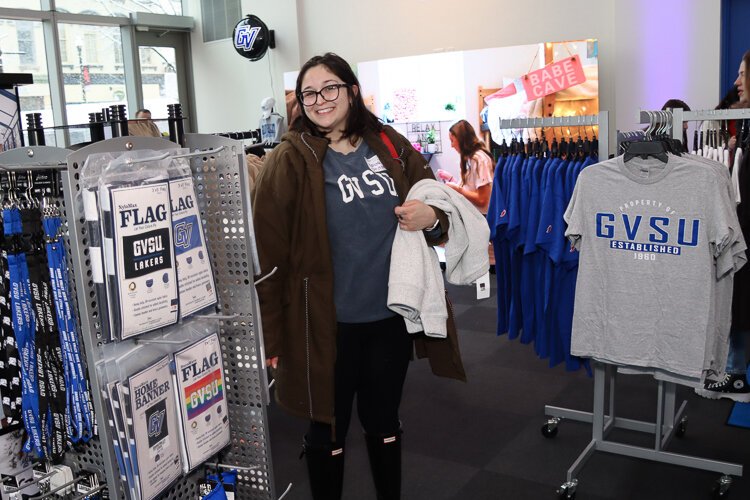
pixel 142 125
pixel 734 384
pixel 326 206
pixel 477 169
pixel 677 103
pixel 476 166
pixel 731 100
pixel 254 165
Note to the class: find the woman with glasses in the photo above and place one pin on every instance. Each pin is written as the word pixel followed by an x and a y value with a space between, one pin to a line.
pixel 326 208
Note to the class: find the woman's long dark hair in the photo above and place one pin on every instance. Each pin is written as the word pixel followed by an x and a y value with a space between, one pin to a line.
pixel 360 118
pixel 468 144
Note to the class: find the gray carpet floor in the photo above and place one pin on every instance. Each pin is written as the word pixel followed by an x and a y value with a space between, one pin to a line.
pixel 482 439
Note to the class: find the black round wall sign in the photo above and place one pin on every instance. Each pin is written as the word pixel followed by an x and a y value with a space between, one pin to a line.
pixel 251 38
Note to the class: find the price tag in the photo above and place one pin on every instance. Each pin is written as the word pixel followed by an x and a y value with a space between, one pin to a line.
pixel 483 286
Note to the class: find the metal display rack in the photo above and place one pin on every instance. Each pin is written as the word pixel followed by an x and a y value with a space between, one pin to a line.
pixel 668 425
pixel 678 116
pixel 601 120
pixel 88 457
pixel 221 185
pixel 670 421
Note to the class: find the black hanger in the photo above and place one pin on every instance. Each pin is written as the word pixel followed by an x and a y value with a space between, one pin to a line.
pixel 695 140
pixel 581 147
pixel 564 150
pixel 645 149
pixel 555 148
pixel 504 148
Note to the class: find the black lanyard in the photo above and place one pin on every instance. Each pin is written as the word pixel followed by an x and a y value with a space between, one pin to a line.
pixel 10 375
pixel 24 328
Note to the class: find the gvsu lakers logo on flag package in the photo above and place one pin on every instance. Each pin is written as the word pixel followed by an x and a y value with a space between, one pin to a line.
pixel 199 377
pixel 146 277
pixel 194 274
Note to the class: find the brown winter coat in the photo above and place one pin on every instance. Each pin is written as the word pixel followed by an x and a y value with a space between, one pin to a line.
pixel 297 307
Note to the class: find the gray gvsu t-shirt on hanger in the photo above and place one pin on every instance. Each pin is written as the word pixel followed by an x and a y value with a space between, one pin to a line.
pixel 650 235
pixel 360 199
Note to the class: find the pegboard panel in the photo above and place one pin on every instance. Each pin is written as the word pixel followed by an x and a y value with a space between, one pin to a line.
pixel 221 188
pixel 80 456
pixel 91 312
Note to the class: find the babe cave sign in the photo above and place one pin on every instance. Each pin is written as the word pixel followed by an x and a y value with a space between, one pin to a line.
pixel 553 78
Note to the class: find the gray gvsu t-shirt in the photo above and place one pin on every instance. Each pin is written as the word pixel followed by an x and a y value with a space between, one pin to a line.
pixel 651 237
pixel 360 199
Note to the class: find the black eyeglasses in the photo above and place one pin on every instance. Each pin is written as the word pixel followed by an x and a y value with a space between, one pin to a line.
pixel 328 93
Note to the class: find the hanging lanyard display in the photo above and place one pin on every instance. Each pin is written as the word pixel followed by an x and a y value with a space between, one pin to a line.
pixel 77 391
pixel 24 327
pixel 52 397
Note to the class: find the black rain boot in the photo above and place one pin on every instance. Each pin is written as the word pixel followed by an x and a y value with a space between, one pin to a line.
pixel 325 468
pixel 385 462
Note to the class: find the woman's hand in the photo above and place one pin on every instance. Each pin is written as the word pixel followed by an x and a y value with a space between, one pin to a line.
pixel 455 187
pixel 415 215
pixel 444 175
pixel 273 362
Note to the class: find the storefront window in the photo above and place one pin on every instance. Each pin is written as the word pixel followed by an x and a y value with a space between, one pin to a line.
pixel 93 78
pixel 159 81
pixel 22 51
pixel 21 4
pixel 119 7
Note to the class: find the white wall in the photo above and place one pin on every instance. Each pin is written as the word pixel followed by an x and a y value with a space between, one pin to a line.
pixel 648 51
pixel 229 88
pixel 671 53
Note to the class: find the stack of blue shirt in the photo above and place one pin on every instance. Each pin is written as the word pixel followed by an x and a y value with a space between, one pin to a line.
pixel 535 266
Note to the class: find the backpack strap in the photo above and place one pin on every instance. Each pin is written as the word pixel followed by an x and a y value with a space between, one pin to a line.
pixel 389 144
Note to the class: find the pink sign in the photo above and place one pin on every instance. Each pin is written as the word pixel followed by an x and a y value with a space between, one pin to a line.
pixel 553 78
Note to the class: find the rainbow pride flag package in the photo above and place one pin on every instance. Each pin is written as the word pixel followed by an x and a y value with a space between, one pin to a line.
pixel 202 402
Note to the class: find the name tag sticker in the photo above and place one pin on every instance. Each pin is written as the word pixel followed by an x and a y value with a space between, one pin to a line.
pixel 375 164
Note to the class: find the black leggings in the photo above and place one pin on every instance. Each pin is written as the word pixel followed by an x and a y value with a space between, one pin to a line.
pixel 371 363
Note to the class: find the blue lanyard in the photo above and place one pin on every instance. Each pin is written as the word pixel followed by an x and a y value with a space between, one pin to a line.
pixel 225 478
pixel 78 408
pixel 24 326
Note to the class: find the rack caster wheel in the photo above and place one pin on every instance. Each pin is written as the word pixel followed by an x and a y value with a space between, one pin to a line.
pixel 568 490
pixel 681 427
pixel 549 429
pixel 721 488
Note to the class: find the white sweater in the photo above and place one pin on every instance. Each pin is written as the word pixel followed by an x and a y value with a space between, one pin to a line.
pixel 415 286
